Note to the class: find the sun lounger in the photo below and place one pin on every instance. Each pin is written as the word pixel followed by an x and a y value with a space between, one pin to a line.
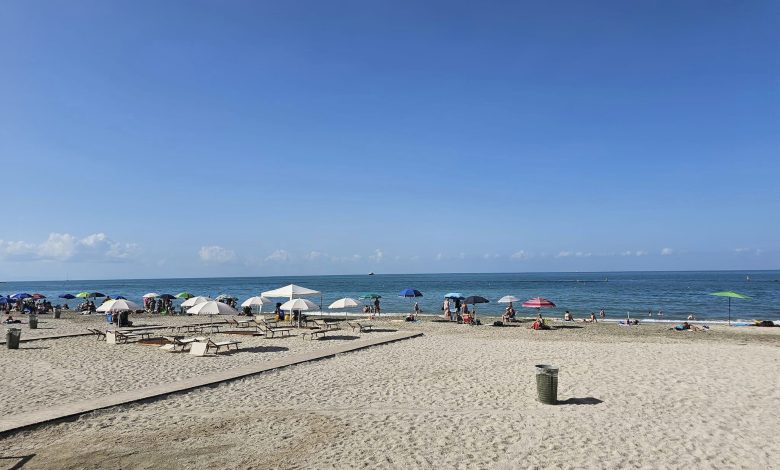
pixel 361 327
pixel 238 323
pixel 323 325
pixel 98 334
pixel 201 348
pixel 314 333
pixel 270 332
pixel 180 344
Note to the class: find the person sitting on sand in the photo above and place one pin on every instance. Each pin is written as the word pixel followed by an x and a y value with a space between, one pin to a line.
pixel 509 314
pixel 567 316
pixel 539 324
pixel 10 320
pixel 685 326
pixel 593 317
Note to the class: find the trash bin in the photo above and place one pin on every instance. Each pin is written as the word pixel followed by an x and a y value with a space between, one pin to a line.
pixel 12 338
pixel 57 312
pixel 122 321
pixel 547 384
pixel 33 322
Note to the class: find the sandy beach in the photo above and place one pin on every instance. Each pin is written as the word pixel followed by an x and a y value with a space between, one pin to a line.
pixel 457 397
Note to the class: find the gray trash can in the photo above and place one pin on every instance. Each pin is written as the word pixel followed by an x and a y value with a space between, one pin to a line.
pixel 547 384
pixel 33 322
pixel 57 312
pixel 12 338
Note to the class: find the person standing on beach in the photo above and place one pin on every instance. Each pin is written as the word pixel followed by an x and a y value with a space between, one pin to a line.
pixel 376 306
pixel 445 308
pixel 602 314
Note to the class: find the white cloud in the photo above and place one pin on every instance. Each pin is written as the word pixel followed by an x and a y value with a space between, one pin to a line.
pixel 66 247
pixel 279 256
pixel 315 255
pixel 578 254
pixel 667 252
pixel 519 255
pixel 216 254
pixel 439 256
pixel 742 251
pixel 491 255
pixel 377 256
pixel 633 253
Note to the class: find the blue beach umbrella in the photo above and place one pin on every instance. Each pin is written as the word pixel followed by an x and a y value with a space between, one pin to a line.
pixel 3 300
pixel 67 296
pixel 410 293
pixel 454 295
pixel 120 297
pixel 20 295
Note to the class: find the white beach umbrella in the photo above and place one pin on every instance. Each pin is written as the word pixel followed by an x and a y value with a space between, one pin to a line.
pixel 299 304
pixel 290 291
pixel 193 301
pixel 508 298
pixel 346 302
pixel 212 307
pixel 256 300
pixel 151 295
pixel 120 305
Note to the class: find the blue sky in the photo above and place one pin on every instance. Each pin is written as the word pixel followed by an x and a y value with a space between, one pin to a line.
pixel 206 138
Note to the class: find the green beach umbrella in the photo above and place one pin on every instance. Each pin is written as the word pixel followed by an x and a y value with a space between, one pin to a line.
pixel 83 295
pixel 370 296
pixel 184 295
pixel 730 295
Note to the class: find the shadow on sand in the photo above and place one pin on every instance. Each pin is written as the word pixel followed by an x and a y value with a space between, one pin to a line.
pixel 580 401
pixel 21 461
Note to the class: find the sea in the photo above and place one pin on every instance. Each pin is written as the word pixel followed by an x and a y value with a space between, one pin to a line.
pixel 639 295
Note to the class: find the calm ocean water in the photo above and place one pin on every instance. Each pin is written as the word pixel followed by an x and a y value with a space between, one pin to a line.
pixel 678 294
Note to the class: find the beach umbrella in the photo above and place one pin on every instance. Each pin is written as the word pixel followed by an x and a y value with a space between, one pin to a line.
pixel 370 296
pixel 193 301
pixel 167 297
pixel 730 295
pixel 94 294
pixel 223 297
pixel 346 302
pixel 20 296
pixel 538 302
pixel 299 304
pixel 256 300
pixel 3 300
pixel 151 295
pixel 118 305
pixel 120 297
pixel 212 308
pixel 38 296
pixel 82 295
pixel 184 295
pixel 475 299
pixel 454 295
pixel 67 296
pixel 508 299
pixel 290 291
pixel 410 293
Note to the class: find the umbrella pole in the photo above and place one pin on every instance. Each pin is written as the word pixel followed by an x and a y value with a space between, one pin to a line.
pixel 729 311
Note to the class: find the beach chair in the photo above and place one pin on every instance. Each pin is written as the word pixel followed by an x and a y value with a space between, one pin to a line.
pixel 315 333
pixel 323 325
pixel 360 327
pixel 201 348
pixel 238 323
pixel 180 344
pixel 98 334
pixel 270 332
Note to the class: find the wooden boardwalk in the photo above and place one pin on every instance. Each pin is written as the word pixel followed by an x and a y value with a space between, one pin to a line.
pixel 13 423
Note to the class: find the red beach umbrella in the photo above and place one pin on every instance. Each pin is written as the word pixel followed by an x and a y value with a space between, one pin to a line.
pixel 538 302
pixel 38 296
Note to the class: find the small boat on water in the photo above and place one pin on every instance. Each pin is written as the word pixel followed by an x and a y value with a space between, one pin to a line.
pixel 371 274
